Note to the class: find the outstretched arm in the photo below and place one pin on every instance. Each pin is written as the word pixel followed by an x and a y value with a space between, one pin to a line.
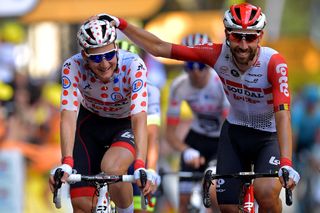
pixel 148 41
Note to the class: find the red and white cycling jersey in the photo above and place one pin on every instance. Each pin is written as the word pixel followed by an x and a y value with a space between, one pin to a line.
pixel 124 95
pixel 255 95
pixel 209 104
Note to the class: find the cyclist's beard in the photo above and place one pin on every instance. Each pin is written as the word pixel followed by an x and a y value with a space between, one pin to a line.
pixel 243 60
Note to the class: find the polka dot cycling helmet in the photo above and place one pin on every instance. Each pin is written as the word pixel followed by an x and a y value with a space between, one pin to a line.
pixel 96 33
pixel 244 16
pixel 195 39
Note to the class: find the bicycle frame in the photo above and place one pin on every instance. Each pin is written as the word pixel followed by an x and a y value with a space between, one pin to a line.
pixel 194 204
pixel 246 198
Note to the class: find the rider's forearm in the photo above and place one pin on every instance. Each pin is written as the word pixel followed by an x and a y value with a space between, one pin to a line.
pixel 283 125
pixel 148 41
pixel 67 132
pixel 174 141
pixel 139 128
pixel 153 146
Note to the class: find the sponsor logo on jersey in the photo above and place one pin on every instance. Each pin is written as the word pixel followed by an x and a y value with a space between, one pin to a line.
pixel 65 82
pixel 137 85
pixel 235 73
pixel 255 75
pixel 116 96
pixel 224 70
pixel 248 93
pixel 252 81
pixel 88 86
pixel 140 67
pixel 283 79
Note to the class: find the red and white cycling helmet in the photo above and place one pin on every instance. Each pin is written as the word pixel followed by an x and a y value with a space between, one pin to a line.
pixel 195 39
pixel 96 33
pixel 244 16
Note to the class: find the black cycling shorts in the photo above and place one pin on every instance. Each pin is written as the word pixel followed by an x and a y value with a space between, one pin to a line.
pixel 94 135
pixel 239 148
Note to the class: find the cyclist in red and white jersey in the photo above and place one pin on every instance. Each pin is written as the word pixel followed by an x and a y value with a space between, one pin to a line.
pixel 255 79
pixel 106 132
pixel 201 88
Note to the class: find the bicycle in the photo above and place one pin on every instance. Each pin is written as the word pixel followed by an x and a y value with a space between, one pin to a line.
pixel 246 198
pixel 102 182
pixel 195 201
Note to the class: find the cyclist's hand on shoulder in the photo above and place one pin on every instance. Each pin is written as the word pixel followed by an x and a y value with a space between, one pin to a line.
pixel 192 157
pixel 66 167
pixel 294 177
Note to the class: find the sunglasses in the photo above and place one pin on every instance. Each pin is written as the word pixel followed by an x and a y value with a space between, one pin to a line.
pixel 248 37
pixel 191 66
pixel 97 58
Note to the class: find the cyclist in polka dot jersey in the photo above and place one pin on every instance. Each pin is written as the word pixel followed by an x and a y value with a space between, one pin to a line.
pixel 103 116
pixel 118 97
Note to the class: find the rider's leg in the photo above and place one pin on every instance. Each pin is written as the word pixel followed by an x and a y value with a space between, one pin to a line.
pixel 213 198
pixel 83 204
pixel 227 208
pixel 267 192
pixel 116 161
pixel 183 202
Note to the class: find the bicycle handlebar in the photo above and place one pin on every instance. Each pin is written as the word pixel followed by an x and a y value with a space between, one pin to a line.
pixel 246 176
pixel 100 178
pixel 196 176
pixel 97 179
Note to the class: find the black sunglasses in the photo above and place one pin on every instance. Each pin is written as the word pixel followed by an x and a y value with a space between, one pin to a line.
pixel 248 37
pixel 97 58
pixel 190 66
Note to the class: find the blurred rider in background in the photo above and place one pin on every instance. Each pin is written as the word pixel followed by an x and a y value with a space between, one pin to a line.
pixel 153 126
pixel 201 88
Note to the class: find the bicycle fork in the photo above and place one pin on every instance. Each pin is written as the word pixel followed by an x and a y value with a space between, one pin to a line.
pixel 103 204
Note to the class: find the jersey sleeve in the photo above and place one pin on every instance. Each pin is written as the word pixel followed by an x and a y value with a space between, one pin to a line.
pixel 137 74
pixel 154 110
pixel 206 53
pixel 70 80
pixel 174 105
pixel 278 77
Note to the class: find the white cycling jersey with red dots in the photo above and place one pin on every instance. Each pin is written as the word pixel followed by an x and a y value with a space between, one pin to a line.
pixel 124 95
pixel 255 95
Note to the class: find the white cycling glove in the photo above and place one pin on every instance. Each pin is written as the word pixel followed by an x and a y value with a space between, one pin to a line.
pixel 65 168
pixel 153 177
pixel 189 154
pixel 110 18
pixel 293 174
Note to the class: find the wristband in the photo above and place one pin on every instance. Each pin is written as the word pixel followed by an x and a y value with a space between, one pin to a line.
pixel 123 24
pixel 68 160
pixel 285 162
pixel 139 164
